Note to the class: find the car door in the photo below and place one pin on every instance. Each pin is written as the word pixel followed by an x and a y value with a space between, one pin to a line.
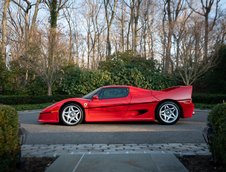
pixel 111 105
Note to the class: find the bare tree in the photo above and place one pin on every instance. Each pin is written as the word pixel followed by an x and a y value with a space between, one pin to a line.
pixel 4 30
pixel 94 29
pixel 206 9
pixel 110 10
pixel 26 7
pixel 69 22
pixel 191 64
pixel 54 7
pixel 147 29
pixel 122 25
pixel 134 7
pixel 34 18
pixel 172 10
pixel 26 19
pixel 179 31
pixel 38 49
pixel 137 5
pixel 97 31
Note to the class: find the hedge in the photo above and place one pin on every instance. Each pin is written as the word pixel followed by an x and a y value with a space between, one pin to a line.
pixel 208 98
pixel 9 139
pixel 217 120
pixel 16 100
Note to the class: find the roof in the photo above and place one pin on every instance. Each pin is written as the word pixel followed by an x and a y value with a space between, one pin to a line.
pixel 107 86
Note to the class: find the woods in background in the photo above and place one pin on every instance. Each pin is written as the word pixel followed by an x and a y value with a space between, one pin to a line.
pixel 40 37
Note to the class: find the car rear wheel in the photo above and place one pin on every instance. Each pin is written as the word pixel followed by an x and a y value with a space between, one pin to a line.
pixel 71 114
pixel 168 113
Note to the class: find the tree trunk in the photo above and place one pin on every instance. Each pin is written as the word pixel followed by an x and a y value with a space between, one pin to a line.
pixel 88 46
pixel 4 30
pixel 145 43
pixel 26 32
pixel 71 60
pixel 52 44
pixel 177 52
pixel 34 18
pixel 49 89
pixel 109 20
pixel 77 49
pixel 51 60
pixel 132 25
pixel 70 47
pixel 136 19
pixel 108 53
pixel 197 41
pixel 127 36
pixel 122 21
pixel 169 39
pixel 206 37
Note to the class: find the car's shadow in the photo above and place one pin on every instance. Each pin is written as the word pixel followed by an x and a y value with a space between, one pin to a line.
pixel 123 122
pixel 101 123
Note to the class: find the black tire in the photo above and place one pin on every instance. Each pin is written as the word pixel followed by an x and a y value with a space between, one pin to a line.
pixel 71 114
pixel 168 113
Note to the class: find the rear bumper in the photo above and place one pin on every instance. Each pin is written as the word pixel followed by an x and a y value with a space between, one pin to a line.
pixel 187 108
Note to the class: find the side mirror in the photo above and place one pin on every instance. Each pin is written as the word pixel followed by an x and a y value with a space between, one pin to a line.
pixel 95 97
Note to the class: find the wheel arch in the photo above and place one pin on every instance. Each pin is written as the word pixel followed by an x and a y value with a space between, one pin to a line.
pixel 75 102
pixel 171 100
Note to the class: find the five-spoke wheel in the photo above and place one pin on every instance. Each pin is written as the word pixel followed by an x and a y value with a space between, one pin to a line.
pixel 71 114
pixel 168 113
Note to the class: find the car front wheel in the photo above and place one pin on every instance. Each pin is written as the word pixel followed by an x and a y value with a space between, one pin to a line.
pixel 71 114
pixel 168 113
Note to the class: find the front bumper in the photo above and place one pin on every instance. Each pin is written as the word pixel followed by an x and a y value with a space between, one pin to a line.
pixel 49 117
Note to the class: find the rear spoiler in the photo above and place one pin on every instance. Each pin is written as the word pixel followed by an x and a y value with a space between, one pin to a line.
pixel 175 93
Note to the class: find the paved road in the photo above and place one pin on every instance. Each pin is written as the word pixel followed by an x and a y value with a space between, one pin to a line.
pixel 185 131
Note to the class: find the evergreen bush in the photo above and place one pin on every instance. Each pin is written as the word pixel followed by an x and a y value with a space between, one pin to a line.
pixel 217 120
pixel 9 139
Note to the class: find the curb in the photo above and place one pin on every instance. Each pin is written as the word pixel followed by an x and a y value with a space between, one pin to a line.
pixel 74 149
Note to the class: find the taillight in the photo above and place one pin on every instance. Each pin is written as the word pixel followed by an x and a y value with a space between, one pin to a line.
pixel 187 101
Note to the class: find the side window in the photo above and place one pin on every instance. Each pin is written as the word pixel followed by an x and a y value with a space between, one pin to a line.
pixel 108 93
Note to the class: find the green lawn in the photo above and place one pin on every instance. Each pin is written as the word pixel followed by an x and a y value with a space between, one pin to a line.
pixel 31 106
pixel 204 106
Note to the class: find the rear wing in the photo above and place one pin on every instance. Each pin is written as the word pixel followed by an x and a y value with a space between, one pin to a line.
pixel 175 93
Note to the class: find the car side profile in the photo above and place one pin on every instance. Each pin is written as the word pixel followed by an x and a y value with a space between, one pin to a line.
pixel 123 103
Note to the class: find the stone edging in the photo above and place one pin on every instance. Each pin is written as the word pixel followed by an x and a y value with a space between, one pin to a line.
pixel 62 149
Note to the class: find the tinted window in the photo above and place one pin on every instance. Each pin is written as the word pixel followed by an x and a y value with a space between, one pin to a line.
pixel 91 94
pixel 108 93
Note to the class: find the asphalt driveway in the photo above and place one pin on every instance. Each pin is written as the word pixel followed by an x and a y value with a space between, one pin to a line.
pixel 185 131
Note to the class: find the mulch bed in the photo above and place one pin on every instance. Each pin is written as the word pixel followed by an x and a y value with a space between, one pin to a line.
pixel 201 163
pixel 35 164
pixel 195 163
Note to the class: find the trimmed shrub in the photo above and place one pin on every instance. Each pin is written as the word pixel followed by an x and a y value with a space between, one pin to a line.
pixel 115 72
pixel 217 119
pixel 9 139
pixel 15 100
pixel 78 81
pixel 128 68
pixel 208 98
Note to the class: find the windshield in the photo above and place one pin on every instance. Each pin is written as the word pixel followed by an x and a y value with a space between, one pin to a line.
pixel 91 94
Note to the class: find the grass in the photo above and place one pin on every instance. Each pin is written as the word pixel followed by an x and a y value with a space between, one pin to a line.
pixel 31 106
pixel 204 106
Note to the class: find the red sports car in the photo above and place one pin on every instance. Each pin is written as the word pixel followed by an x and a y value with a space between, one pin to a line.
pixel 123 103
